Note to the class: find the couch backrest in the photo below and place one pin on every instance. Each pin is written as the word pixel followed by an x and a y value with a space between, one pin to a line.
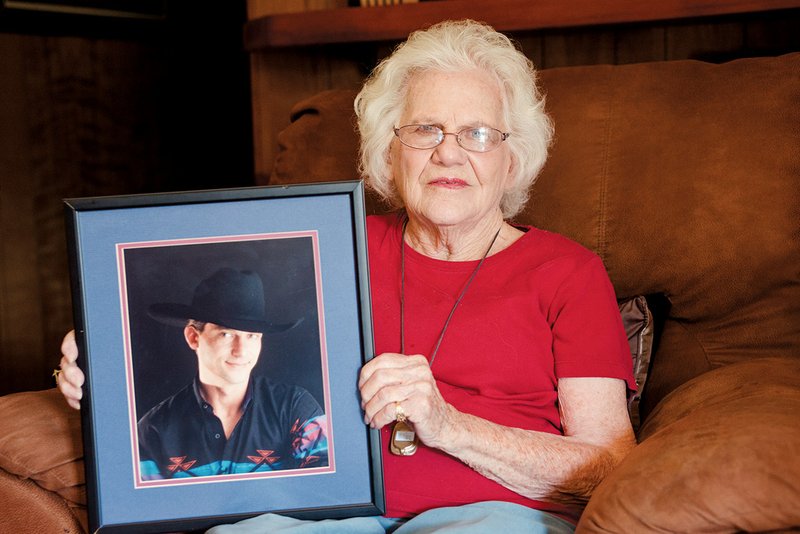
pixel 684 176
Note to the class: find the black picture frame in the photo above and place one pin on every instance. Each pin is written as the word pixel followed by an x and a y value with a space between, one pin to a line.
pixel 307 243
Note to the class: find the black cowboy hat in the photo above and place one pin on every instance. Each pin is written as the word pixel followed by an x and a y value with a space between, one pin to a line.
pixel 229 298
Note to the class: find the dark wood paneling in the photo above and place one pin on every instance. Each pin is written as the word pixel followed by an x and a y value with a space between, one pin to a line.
pixel 88 116
pixel 20 295
pixel 84 124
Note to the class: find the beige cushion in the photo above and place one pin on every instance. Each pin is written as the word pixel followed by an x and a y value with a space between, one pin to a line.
pixel 719 454
pixel 637 319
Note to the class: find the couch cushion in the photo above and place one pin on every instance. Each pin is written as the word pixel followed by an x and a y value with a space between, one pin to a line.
pixel 27 507
pixel 719 454
pixel 41 441
pixel 683 176
pixel 321 144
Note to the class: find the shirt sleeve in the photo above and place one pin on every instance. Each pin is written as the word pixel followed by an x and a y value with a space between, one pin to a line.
pixel 588 336
pixel 149 443
pixel 309 433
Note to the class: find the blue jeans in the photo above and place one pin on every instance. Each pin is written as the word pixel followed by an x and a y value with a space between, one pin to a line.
pixel 477 518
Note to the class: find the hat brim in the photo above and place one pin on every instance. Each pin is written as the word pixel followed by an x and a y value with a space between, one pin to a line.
pixel 179 314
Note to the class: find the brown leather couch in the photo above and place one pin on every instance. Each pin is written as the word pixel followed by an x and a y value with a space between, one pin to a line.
pixel 685 177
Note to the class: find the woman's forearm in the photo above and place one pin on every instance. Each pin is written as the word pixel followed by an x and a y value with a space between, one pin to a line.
pixel 537 465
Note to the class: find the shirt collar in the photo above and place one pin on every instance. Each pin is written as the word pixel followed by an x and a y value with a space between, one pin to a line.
pixel 198 392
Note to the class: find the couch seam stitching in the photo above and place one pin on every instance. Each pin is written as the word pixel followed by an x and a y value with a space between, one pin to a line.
pixel 602 244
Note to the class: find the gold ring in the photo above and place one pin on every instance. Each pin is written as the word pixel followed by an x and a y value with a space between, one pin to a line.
pixel 399 414
pixel 56 372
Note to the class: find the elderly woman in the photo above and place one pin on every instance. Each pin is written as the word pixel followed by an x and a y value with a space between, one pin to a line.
pixel 502 370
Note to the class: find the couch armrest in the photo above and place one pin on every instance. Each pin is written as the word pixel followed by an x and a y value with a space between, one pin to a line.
pixel 27 507
pixel 717 454
pixel 41 452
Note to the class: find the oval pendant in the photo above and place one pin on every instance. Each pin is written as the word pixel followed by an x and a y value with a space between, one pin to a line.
pixel 404 439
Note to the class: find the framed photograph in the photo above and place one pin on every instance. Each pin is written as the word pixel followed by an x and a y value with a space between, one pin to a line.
pixel 221 334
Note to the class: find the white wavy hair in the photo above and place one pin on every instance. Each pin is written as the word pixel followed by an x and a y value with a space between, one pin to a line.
pixel 455 46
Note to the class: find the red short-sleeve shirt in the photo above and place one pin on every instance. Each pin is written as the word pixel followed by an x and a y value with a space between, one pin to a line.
pixel 540 310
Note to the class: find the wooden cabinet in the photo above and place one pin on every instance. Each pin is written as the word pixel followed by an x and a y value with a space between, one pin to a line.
pixel 353 24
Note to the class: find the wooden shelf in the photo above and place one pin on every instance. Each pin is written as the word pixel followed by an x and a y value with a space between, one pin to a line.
pixel 357 24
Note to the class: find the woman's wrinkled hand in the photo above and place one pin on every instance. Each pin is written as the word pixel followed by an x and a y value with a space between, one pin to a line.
pixel 71 377
pixel 391 379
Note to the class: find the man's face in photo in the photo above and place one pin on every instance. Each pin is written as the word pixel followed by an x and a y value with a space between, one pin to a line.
pixel 225 356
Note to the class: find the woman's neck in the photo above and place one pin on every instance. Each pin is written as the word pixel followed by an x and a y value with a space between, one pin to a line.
pixel 460 242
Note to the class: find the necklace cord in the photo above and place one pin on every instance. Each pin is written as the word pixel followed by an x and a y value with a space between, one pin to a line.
pixel 458 300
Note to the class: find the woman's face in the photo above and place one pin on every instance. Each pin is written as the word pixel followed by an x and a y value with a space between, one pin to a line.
pixel 449 185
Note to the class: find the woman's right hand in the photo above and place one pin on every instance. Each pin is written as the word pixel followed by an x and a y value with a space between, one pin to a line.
pixel 71 378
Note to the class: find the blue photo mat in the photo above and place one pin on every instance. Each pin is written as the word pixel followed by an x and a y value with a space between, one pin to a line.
pixel 97 233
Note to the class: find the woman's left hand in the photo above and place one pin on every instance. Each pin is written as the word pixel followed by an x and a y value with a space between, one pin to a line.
pixel 391 380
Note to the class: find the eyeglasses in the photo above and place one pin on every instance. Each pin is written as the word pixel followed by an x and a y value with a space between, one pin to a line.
pixel 425 136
